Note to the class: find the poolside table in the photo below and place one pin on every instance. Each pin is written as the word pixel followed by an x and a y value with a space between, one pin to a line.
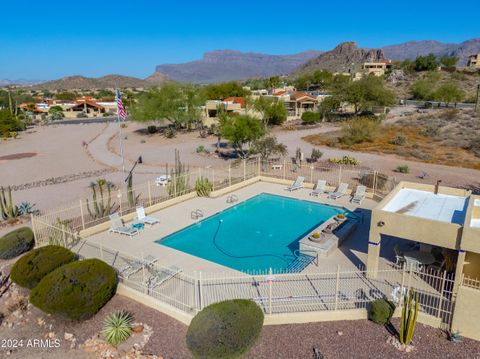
pixel 138 225
pixel 422 257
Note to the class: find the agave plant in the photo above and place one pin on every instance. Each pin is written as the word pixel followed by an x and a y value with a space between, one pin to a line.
pixel 26 207
pixel 117 327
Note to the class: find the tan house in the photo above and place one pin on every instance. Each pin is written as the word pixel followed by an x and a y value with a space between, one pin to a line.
pixel 299 102
pixel 377 68
pixel 229 105
pixel 440 220
pixel 474 61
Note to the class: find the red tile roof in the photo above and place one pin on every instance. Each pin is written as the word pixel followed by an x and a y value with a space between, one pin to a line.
pixel 239 100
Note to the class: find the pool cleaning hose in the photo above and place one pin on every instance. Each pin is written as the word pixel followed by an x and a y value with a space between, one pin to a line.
pixel 240 257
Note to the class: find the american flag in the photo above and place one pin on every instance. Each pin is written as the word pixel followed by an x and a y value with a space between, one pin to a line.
pixel 122 115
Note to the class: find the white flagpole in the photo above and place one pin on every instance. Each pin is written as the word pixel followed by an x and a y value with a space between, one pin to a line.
pixel 120 136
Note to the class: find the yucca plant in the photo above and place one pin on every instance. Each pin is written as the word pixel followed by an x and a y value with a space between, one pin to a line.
pixel 8 210
pixel 117 327
pixel 26 207
pixel 409 317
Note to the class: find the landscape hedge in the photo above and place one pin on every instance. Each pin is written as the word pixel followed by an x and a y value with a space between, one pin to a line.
pixel 381 311
pixel 32 267
pixel 77 290
pixel 16 242
pixel 225 330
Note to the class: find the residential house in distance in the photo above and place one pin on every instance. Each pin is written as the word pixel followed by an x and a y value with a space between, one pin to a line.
pixel 229 105
pixel 474 61
pixel 377 68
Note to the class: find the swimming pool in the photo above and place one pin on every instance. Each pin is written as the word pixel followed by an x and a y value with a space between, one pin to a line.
pixel 257 234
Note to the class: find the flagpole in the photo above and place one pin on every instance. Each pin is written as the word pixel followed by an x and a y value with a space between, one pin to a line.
pixel 120 137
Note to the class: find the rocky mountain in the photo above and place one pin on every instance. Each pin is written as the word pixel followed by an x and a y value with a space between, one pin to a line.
pixel 346 57
pixel 18 82
pixel 109 81
pixel 412 49
pixel 228 65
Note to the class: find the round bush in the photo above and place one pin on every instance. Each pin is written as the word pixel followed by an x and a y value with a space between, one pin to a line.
pixel 381 311
pixel 225 330
pixel 76 290
pixel 16 242
pixel 32 267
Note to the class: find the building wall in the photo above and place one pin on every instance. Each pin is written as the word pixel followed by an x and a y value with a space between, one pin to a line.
pixel 474 61
pixel 467 312
pixel 471 267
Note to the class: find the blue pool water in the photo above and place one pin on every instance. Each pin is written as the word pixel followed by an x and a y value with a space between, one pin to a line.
pixel 260 233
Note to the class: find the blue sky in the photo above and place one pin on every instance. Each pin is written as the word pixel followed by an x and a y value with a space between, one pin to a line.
pixel 51 39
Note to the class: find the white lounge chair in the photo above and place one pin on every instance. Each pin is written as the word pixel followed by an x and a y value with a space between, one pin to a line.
pixel 119 227
pixel 319 188
pixel 137 265
pixel 161 276
pixel 339 192
pixel 297 184
pixel 359 195
pixel 145 219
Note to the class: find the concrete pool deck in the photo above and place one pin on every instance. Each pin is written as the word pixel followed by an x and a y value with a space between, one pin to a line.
pixel 178 216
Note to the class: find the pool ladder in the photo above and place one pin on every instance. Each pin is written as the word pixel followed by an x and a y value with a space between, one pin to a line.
pixel 196 214
pixel 232 198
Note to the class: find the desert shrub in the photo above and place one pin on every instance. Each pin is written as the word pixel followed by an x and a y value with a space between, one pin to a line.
pixel 16 242
pixel 201 149
pixel 368 179
pixel 430 131
pixel 152 129
pixel 225 330
pixel 316 154
pixel 398 140
pixel 32 267
pixel 451 115
pixel 82 115
pixel 380 311
pixel 419 154
pixel 345 160
pixel 403 169
pixel 203 187
pixel 117 327
pixel 474 146
pixel 309 118
pixel 359 130
pixel 76 290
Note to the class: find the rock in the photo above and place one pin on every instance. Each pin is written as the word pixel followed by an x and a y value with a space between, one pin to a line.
pixel 138 328
pixel 340 332
pixel 51 335
pixel 40 321
pixel 68 336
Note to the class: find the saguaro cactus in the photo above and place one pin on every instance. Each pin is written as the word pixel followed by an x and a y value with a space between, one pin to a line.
pixel 409 317
pixel 7 209
pixel 179 177
pixel 101 202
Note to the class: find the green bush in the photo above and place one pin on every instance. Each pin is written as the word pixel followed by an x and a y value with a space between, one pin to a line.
pixel 29 270
pixel 381 311
pixel 152 129
pixel 359 130
pixel 16 242
pixel 76 290
pixel 225 330
pixel 403 169
pixel 309 118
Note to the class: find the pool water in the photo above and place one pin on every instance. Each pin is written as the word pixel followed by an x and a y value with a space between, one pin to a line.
pixel 260 233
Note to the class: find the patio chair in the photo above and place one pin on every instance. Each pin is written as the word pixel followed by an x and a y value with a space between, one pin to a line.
pixel 119 227
pixel 437 266
pixel 399 258
pixel 339 192
pixel 359 195
pixel 161 276
pixel 137 265
pixel 297 184
pixel 145 219
pixel 319 188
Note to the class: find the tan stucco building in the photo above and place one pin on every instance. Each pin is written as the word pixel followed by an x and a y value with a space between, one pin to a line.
pixel 474 61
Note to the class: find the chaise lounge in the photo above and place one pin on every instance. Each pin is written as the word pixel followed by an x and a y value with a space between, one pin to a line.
pixel 339 192
pixel 119 227
pixel 142 218
pixel 161 276
pixel 297 184
pixel 359 195
pixel 319 188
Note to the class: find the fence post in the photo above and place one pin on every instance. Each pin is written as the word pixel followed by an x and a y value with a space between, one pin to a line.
pixel 34 229
pixel 311 174
pixel 259 166
pixel 337 286
pixel 149 194
pixel 340 175
pixel 244 171
pixel 375 174
pixel 440 302
pixel 403 285
pixel 200 295
pixel 229 174
pixel 64 237
pixel 270 284
pixel 174 185
pixel 213 179
pixel 81 214
pixel 119 196
pixel 284 167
